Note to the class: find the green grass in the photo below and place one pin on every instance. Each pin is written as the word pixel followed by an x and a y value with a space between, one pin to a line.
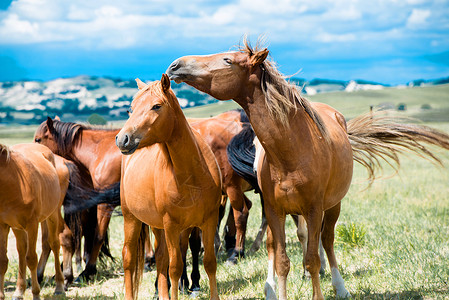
pixel 405 249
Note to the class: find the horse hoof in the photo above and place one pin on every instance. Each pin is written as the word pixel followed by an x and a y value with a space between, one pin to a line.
pixel 56 293
pixel 17 298
pixel 195 293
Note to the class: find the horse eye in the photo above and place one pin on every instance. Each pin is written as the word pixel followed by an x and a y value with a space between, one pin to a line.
pixel 227 60
pixel 37 140
pixel 156 107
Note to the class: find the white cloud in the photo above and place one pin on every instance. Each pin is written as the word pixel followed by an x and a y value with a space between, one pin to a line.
pixel 418 18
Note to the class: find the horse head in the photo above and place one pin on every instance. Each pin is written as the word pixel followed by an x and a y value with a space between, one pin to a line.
pixel 151 117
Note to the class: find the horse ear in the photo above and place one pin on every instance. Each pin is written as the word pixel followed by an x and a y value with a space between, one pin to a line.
pixel 165 82
pixel 140 84
pixel 50 124
pixel 57 118
pixel 259 57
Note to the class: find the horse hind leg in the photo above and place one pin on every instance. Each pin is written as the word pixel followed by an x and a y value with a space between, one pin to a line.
pixel 53 237
pixel 22 246
pixel 330 218
pixel 45 252
pixel 4 230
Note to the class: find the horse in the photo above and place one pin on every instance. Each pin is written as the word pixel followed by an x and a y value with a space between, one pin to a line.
pixel 307 163
pixel 171 182
pixel 94 153
pixel 32 191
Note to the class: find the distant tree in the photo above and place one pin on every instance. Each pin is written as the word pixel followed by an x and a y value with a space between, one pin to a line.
pixel 426 106
pixel 96 119
pixel 402 107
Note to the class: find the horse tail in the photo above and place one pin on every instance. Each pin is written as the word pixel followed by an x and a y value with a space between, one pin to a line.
pixel 73 219
pixel 140 261
pixel 81 198
pixel 241 154
pixel 377 137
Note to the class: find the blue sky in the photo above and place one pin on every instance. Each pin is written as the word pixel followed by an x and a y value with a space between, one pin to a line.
pixel 388 41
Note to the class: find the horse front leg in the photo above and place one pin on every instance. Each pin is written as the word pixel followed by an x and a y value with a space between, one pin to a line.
pixel 172 236
pixel 132 255
pixel 209 260
pixel 276 225
pixel 162 261
pixel 4 231
pixel 312 258
pixel 327 236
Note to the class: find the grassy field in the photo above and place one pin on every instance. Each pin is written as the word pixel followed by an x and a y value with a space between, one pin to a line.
pixel 404 253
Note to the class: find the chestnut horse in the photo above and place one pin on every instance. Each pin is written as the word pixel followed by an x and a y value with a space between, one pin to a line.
pixel 31 192
pixel 94 153
pixel 171 182
pixel 307 163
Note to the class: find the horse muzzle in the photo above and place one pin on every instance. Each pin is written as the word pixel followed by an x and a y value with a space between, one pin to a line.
pixel 126 144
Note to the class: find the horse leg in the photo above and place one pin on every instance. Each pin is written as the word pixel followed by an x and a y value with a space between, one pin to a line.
pixel 270 283
pixel 195 249
pixel 130 255
pixel 260 234
pixel 162 261
pixel 184 245
pixel 172 235
pixel 103 218
pixel 241 205
pixel 22 247
pixel 4 231
pixel 66 241
pixel 221 213
pixel 312 260
pixel 301 232
pixel 45 252
pixel 229 232
pixel 276 223
pixel 150 260
pixel 209 260
pixel 330 218
pixel 53 238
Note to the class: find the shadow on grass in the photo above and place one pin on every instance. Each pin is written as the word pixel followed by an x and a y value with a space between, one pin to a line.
pixel 412 294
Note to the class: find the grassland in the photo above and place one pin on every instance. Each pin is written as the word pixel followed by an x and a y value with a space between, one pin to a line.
pixel 405 251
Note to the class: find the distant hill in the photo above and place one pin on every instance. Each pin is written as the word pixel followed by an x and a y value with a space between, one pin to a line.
pixel 29 102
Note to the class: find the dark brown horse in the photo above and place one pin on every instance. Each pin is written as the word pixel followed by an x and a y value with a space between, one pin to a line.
pixel 31 192
pixel 94 153
pixel 171 181
pixel 306 167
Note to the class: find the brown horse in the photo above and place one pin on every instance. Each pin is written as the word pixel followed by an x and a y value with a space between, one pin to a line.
pixel 94 153
pixel 171 182
pixel 306 167
pixel 31 192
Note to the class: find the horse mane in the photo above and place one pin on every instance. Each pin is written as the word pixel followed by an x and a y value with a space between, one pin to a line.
pixel 281 97
pixel 66 135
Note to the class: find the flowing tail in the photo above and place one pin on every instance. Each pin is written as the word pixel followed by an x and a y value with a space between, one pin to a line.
pixel 377 137
pixel 79 198
pixel 241 154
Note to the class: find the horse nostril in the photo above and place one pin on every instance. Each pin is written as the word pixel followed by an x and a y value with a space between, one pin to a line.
pixel 126 141
pixel 175 65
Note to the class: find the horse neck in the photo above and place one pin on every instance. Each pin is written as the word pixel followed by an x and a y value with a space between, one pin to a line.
pixel 184 152
pixel 286 147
